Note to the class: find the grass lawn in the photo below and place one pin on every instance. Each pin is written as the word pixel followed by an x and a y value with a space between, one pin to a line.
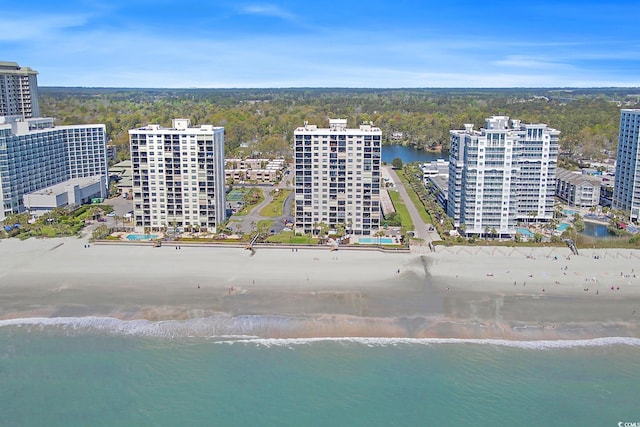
pixel 264 225
pixel 290 237
pixel 254 198
pixel 415 198
pixel 274 209
pixel 401 210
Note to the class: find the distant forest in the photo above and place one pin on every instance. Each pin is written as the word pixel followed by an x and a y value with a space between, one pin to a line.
pixel 260 122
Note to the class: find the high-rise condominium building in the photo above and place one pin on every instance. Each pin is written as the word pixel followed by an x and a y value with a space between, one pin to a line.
pixel 18 91
pixel 178 176
pixel 35 154
pixel 501 175
pixel 626 190
pixel 337 178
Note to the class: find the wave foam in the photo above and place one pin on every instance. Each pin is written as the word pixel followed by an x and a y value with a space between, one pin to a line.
pixel 246 330
pixel 528 345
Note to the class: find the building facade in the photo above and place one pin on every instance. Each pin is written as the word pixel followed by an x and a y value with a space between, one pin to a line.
pixel 35 154
pixel 178 177
pixel 577 189
pixel 73 192
pixel 258 171
pixel 501 175
pixel 18 91
pixel 337 178
pixel 626 189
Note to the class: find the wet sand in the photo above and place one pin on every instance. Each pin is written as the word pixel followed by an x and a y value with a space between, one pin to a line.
pixel 457 292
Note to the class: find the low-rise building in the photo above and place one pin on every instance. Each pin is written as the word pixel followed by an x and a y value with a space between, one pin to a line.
pixel 434 168
pixel 259 171
pixel 70 193
pixel 578 189
pixel 435 177
pixel 122 174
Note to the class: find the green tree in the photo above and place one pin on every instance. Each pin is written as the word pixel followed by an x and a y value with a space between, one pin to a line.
pixel 397 163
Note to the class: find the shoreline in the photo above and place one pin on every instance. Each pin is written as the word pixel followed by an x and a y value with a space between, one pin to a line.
pixel 456 292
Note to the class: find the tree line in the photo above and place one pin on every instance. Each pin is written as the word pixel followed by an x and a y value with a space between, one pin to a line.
pixel 261 122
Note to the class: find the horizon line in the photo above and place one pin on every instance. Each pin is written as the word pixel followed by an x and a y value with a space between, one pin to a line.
pixel 344 87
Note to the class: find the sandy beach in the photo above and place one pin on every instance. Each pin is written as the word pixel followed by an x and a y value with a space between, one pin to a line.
pixel 458 292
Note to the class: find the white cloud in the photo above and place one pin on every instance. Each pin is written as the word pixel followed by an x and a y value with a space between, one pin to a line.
pixel 522 61
pixel 267 10
pixel 141 58
pixel 20 28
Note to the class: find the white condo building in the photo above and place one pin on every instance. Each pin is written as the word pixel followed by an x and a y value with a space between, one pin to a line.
pixel 178 176
pixel 337 177
pixel 18 91
pixel 35 154
pixel 501 175
pixel 626 190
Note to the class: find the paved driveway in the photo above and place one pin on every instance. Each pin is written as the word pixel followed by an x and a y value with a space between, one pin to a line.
pixel 248 223
pixel 421 229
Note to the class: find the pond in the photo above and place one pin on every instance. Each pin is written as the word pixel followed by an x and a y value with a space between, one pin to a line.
pixel 594 229
pixel 409 154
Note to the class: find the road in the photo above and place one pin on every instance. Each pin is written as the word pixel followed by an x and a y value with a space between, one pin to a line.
pixel 248 223
pixel 421 229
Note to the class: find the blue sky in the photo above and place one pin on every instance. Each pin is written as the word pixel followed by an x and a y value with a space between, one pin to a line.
pixel 381 44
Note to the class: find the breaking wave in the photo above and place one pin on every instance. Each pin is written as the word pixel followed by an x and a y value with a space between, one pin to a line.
pixel 249 330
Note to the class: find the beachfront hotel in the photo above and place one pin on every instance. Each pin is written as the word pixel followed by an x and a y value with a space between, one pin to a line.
pixel 178 177
pixel 501 175
pixel 626 190
pixel 36 154
pixel 18 91
pixel 337 178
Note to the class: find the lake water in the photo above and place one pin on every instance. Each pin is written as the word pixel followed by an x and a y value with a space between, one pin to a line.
pixel 593 229
pixel 409 154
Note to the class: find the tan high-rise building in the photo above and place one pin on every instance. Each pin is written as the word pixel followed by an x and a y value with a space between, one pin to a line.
pixel 178 176
pixel 18 91
pixel 337 172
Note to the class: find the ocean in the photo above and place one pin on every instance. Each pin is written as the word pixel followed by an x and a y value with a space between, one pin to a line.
pixel 106 372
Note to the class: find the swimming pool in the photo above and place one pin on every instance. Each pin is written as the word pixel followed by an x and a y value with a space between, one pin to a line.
pixel 569 212
pixel 136 237
pixel 524 231
pixel 563 226
pixel 375 240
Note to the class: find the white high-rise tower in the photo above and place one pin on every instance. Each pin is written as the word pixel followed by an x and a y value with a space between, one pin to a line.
pixel 501 175
pixel 626 190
